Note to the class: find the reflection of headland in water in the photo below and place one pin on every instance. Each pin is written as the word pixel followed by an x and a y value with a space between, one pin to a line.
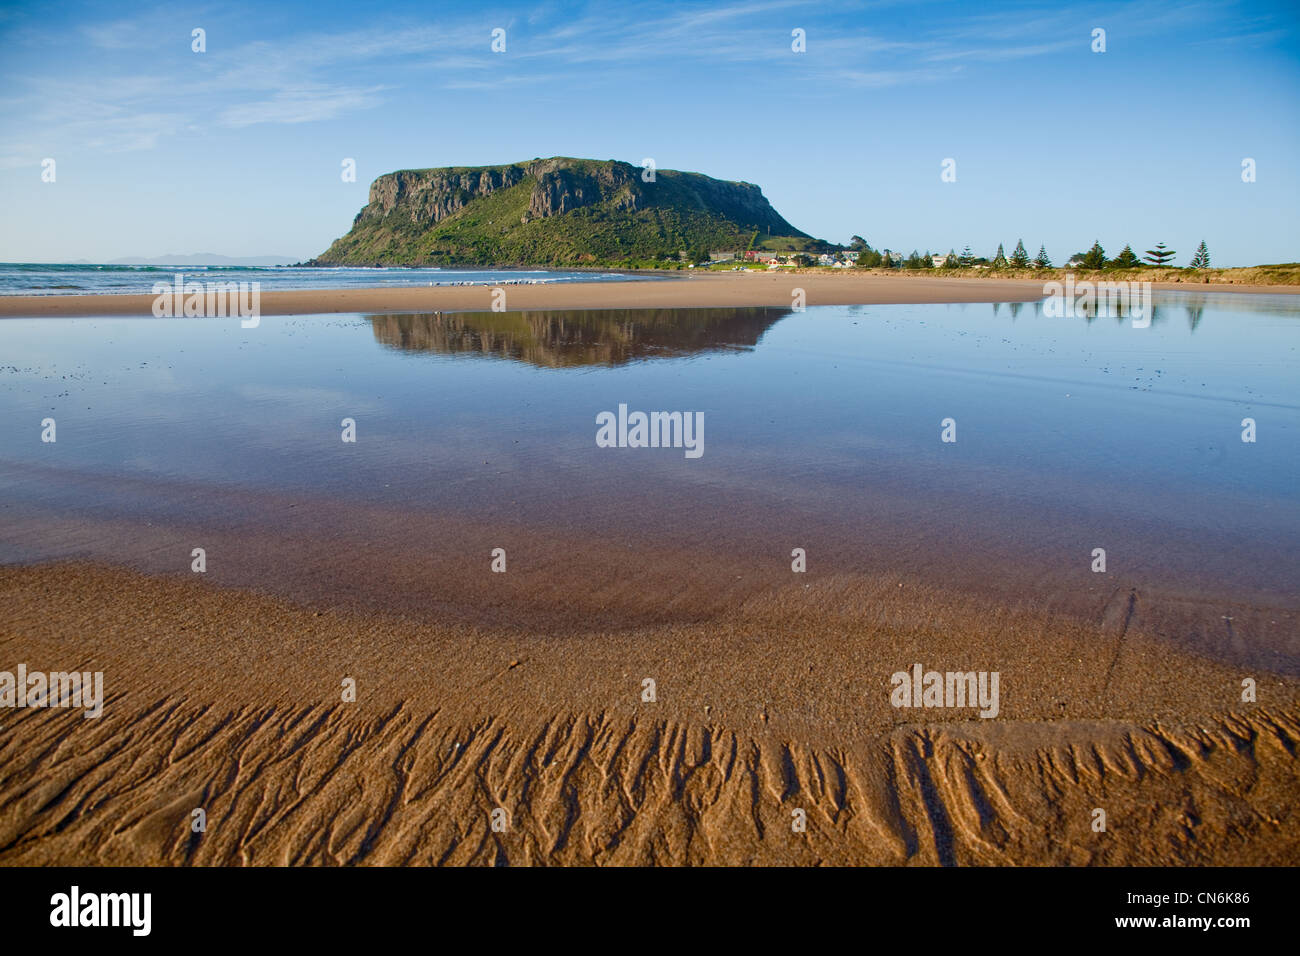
pixel 562 339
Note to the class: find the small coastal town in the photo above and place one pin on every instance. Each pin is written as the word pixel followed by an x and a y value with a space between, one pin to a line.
pixel 862 255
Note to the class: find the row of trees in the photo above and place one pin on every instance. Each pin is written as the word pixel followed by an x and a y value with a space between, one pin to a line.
pixel 874 259
pixel 1019 258
pixel 1094 258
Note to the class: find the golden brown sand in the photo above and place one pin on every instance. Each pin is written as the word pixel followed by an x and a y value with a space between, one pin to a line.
pixel 702 290
pixel 230 701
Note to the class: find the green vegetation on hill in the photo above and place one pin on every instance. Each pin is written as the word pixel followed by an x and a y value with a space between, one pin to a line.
pixel 554 212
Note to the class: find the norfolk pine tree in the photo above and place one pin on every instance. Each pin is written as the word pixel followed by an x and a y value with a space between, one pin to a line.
pixel 1020 258
pixel 1159 256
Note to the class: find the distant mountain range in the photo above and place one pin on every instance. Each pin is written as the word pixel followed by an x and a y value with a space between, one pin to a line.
pixel 555 212
pixel 196 259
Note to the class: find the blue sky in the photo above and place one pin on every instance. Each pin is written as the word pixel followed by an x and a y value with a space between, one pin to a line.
pixel 237 150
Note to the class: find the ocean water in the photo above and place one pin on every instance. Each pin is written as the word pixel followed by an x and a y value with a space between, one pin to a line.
pixel 79 279
pixel 822 429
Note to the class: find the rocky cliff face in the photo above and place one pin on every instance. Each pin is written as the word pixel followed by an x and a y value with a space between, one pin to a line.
pixel 562 189
pixel 431 195
pixel 562 185
pixel 551 211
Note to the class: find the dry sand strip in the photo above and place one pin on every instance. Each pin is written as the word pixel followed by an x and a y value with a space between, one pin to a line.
pixel 703 290
pixel 229 702
pixel 722 290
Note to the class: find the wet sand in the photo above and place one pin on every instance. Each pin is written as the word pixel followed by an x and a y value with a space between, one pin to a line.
pixel 229 701
pixel 647 560
pixel 478 690
pixel 701 290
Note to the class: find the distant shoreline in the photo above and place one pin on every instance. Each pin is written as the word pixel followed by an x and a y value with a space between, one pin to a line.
pixel 697 290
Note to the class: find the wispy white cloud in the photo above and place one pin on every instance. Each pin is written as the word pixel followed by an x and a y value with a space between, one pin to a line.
pixel 993 52
pixel 121 34
pixel 999 35
pixel 880 79
pixel 300 106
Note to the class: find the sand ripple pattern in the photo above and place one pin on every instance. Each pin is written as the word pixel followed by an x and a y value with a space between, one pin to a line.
pixel 328 786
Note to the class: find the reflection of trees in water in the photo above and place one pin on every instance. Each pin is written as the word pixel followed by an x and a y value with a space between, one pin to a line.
pixel 1100 307
pixel 561 339
pixel 1195 304
pixel 1116 309
pixel 1264 303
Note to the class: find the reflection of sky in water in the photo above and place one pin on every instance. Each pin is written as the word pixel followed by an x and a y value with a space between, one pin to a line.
pixel 1093 416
